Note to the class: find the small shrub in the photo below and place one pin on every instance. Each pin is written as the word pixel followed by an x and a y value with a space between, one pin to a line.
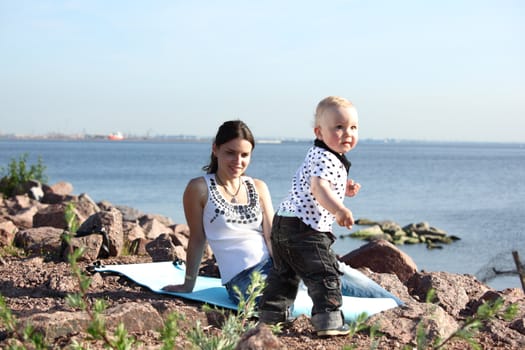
pixel 467 332
pixel 235 325
pixel 18 173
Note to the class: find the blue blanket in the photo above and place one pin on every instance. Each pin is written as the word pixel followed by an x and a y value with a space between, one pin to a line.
pixel 209 290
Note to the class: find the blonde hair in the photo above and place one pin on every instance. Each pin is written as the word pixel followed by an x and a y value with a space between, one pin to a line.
pixel 330 102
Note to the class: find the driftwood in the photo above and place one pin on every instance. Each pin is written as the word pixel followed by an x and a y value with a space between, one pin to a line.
pixel 520 269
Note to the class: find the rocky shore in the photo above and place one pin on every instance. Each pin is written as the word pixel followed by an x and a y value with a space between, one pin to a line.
pixel 35 279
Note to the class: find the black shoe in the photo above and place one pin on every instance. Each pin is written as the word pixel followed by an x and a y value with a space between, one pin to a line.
pixel 343 330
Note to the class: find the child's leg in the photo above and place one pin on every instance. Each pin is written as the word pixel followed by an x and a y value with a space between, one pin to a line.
pixel 317 265
pixel 306 253
pixel 282 282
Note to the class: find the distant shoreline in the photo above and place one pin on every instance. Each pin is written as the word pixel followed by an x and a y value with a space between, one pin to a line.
pixel 202 139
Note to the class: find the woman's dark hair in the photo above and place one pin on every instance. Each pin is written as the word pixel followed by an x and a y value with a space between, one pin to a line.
pixel 228 131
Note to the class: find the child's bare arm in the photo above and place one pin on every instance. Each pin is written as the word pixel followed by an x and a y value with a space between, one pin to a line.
pixel 325 196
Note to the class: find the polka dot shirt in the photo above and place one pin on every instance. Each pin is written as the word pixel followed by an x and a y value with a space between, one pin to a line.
pixel 300 201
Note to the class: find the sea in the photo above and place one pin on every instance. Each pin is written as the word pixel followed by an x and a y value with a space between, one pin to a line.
pixel 475 191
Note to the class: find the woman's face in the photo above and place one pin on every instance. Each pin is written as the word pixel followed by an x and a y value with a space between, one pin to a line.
pixel 233 157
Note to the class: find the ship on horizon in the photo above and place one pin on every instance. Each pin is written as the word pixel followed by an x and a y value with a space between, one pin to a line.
pixel 116 136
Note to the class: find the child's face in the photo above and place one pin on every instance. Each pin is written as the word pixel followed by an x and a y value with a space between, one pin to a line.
pixel 337 128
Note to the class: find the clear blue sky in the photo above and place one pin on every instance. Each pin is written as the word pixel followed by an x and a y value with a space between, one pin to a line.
pixel 426 70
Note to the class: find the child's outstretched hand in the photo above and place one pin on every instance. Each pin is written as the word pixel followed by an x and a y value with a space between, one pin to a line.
pixel 352 188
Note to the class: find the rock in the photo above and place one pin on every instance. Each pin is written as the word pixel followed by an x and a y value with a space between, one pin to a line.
pixel 17 203
pixel 136 317
pixel 388 281
pixel 92 245
pixel 259 338
pixel 62 188
pixel 153 227
pixel 382 256
pixel 366 222
pixel 58 193
pixel 40 241
pixel 410 234
pixel 24 217
pixel 85 207
pixel 132 231
pixel 452 292
pixel 162 249
pixel 389 227
pixel 160 218
pixel 401 323
pixel 368 233
pixel 52 215
pixel 180 235
pixel 128 213
pixel 35 286
pixel 7 232
pixel 138 246
pixel 109 224
pixel 63 284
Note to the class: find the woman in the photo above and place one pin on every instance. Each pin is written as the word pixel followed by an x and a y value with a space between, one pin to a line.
pixel 233 212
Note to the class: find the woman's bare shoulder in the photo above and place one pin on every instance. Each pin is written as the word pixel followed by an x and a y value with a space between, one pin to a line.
pixel 197 185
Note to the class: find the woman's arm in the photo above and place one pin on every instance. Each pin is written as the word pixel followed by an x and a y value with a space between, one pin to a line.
pixel 194 199
pixel 267 209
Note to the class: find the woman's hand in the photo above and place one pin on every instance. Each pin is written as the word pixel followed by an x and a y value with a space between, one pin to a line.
pixel 178 288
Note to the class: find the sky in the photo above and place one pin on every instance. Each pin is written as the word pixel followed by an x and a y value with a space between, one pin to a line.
pixel 447 70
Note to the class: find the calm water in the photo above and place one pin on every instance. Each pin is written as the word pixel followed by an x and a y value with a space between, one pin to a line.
pixel 474 191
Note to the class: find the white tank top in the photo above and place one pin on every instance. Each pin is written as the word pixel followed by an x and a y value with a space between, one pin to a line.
pixel 234 231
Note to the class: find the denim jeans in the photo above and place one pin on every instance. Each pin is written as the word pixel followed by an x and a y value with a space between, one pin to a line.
pixel 356 284
pixel 300 252
pixel 353 282
pixel 243 279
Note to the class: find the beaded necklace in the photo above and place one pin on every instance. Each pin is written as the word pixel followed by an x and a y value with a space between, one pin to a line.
pixel 233 195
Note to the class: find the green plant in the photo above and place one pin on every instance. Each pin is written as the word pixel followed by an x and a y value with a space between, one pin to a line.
pixel 11 250
pixel 18 172
pixel 235 325
pixel 170 331
pixel 17 338
pixel 485 313
pixel 29 338
pixel 360 325
pixel 97 329
pixel 488 311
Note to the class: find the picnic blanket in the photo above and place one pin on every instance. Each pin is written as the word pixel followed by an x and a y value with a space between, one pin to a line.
pixel 209 290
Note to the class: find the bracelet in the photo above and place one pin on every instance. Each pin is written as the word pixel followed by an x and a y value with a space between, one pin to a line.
pixel 189 278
